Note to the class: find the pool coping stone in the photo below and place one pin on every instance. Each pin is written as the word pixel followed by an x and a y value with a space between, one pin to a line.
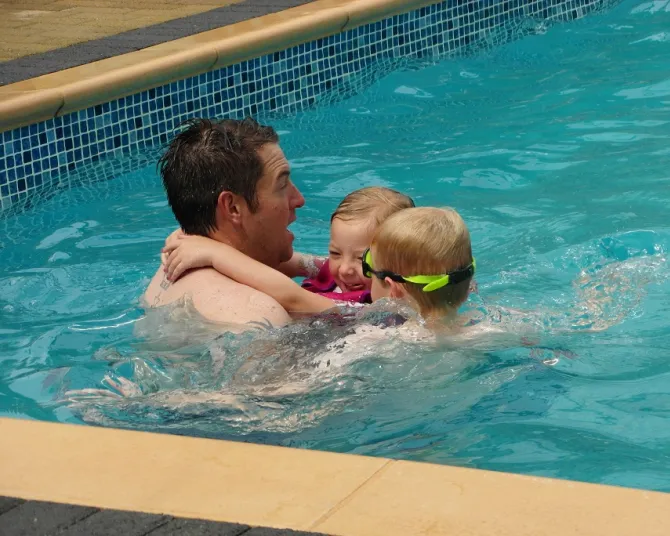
pixel 305 490
pixel 77 88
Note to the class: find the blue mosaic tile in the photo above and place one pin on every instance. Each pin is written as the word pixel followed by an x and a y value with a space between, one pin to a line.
pixel 33 158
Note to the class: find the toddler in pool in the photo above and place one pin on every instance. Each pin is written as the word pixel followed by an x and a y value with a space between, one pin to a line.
pixel 352 225
pixel 422 256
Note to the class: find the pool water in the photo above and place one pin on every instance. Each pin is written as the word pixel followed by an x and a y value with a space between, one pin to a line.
pixel 554 148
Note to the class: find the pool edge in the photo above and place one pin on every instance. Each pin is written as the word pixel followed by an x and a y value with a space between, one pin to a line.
pixel 77 88
pixel 281 487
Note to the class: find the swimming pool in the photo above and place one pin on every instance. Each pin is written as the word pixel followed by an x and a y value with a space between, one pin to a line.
pixel 553 148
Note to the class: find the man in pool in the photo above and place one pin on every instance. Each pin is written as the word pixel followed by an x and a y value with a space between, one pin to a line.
pixel 229 181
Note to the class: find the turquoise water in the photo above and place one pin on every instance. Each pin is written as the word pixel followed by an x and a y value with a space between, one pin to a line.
pixel 554 149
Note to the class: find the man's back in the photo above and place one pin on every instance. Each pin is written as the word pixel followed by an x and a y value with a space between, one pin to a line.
pixel 217 298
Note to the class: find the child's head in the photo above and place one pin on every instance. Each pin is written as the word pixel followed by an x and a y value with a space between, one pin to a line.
pixel 352 227
pixel 423 242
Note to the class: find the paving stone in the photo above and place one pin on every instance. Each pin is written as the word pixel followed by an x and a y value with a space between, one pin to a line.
pixel 122 43
pixel 194 527
pixel 7 503
pixel 41 519
pixel 264 531
pixel 37 518
pixel 115 523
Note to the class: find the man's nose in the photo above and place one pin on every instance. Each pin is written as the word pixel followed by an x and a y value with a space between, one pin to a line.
pixel 298 199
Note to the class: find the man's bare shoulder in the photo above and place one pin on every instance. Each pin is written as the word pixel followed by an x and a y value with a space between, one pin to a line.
pixel 217 298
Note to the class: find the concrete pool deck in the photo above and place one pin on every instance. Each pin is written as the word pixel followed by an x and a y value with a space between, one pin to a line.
pixel 284 488
pixel 85 85
pixel 44 36
pixel 34 26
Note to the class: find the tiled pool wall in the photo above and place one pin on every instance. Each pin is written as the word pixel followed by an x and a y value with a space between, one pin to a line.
pixel 57 153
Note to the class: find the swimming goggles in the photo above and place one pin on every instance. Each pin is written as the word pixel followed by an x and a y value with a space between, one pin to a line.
pixel 430 282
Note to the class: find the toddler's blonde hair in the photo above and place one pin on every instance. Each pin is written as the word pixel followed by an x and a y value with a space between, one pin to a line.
pixel 425 241
pixel 373 204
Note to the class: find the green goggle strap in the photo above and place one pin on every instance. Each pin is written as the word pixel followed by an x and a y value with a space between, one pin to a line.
pixel 431 282
pixel 434 282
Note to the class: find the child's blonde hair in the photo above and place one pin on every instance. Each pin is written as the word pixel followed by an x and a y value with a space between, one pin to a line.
pixel 425 241
pixel 373 203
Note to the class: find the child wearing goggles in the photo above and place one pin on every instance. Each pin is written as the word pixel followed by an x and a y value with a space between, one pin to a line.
pixel 420 255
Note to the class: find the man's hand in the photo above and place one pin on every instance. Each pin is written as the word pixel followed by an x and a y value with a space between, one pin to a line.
pixel 184 252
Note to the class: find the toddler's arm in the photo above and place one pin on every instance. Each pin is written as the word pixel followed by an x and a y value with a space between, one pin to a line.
pixel 302 265
pixel 182 253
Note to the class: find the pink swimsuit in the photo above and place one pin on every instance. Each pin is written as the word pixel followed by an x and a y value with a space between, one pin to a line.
pixel 325 285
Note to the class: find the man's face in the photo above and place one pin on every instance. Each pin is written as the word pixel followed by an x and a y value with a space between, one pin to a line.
pixel 266 230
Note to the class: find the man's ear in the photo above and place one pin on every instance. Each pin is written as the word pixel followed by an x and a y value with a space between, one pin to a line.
pixel 229 206
pixel 396 289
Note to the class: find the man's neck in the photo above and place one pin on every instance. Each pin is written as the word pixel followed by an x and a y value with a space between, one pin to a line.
pixel 240 243
pixel 228 239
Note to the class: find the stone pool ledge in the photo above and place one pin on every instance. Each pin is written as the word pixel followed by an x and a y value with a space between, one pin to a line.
pixel 45 97
pixel 305 490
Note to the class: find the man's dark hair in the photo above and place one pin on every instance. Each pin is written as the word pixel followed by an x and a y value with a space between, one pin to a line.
pixel 208 158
